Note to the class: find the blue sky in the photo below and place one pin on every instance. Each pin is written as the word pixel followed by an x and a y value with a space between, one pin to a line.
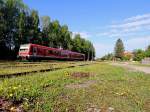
pixel 101 21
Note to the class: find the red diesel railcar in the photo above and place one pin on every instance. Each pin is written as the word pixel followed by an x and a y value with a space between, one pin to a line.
pixel 38 52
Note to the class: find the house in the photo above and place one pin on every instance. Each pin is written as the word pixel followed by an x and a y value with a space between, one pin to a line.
pixel 128 55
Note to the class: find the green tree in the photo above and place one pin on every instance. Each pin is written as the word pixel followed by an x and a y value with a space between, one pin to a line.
pixel 83 46
pixel 54 34
pixel 119 49
pixel 20 25
pixel 2 21
pixel 65 39
pixel 147 51
pixel 108 56
pixel 34 31
pixel 9 25
pixel 77 43
pixel 139 54
pixel 45 24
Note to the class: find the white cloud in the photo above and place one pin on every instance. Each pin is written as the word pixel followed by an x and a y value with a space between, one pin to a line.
pixel 83 34
pixel 133 24
pixel 135 30
pixel 128 26
pixel 138 17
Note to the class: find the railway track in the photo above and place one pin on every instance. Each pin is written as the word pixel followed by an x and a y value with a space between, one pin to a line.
pixel 41 70
pixel 20 65
pixel 23 66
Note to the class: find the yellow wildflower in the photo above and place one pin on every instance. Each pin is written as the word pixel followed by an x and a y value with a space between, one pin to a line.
pixel 26 104
pixel 15 88
pixel 66 73
pixel 12 108
pixel 1 88
pixel 11 95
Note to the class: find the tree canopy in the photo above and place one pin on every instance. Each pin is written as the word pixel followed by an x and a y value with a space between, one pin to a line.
pixel 119 49
pixel 20 25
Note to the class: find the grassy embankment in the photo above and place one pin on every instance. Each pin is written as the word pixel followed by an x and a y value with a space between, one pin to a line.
pixel 124 91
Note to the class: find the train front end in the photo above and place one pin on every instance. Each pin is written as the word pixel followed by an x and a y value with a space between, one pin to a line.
pixel 24 52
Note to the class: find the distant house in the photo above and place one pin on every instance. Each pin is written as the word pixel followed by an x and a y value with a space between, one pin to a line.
pixel 128 55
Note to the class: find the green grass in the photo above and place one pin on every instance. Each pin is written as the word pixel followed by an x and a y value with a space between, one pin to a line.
pixel 115 87
pixel 13 67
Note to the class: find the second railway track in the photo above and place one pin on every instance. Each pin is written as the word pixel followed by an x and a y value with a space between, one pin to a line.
pixel 41 70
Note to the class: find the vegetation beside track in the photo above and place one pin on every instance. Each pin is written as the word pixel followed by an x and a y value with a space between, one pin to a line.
pixel 113 87
pixel 21 68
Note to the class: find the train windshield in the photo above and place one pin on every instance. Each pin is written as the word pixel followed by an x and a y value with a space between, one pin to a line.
pixel 24 48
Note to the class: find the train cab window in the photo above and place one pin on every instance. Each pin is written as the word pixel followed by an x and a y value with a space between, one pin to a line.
pixel 23 50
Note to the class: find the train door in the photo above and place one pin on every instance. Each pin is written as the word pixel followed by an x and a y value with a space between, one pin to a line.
pixel 34 51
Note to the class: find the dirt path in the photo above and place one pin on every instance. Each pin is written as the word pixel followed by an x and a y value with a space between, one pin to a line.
pixel 133 67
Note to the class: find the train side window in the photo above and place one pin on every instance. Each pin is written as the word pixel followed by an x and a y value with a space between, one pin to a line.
pixel 59 53
pixel 55 52
pixel 50 52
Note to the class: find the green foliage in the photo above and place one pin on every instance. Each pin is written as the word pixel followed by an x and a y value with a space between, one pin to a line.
pixel 9 18
pixel 34 30
pixel 119 49
pixel 126 58
pixel 147 51
pixel 20 25
pixel 65 39
pixel 109 56
pixel 83 46
pixel 139 55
